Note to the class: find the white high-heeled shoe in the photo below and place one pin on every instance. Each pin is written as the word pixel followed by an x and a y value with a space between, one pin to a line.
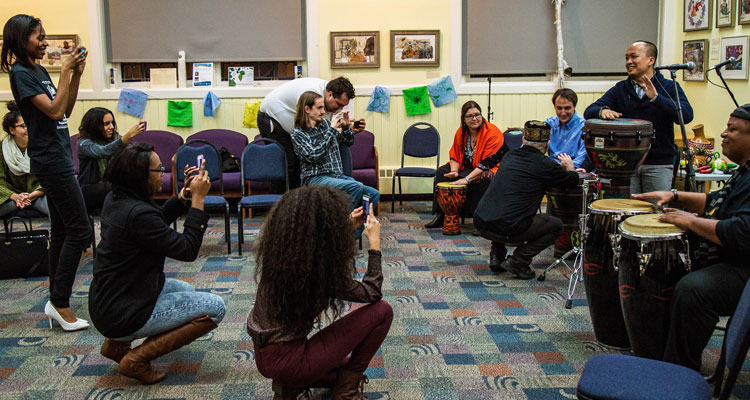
pixel 52 313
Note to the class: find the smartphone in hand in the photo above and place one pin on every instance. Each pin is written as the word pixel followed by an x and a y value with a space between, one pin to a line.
pixel 200 159
pixel 365 207
pixel 143 125
pixel 357 124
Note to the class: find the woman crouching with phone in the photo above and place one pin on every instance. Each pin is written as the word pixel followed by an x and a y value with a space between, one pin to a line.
pixel 130 298
pixel 305 256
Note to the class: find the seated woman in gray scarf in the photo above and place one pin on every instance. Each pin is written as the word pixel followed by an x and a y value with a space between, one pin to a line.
pixel 18 188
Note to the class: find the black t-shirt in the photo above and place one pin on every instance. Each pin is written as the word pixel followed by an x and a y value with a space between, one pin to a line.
pixel 49 140
pixel 518 187
pixel 733 228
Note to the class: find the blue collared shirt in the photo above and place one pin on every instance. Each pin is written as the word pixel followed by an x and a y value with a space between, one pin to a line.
pixel 567 139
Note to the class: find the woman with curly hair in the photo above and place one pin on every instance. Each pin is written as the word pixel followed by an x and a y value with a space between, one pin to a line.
pixel 305 256
pixel 97 143
pixel 18 188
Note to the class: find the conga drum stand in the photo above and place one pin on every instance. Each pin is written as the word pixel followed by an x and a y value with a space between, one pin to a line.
pixel 575 271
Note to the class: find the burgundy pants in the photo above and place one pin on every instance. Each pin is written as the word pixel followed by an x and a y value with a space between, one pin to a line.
pixel 313 362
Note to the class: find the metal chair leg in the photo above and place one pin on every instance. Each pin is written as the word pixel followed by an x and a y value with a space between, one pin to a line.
pixel 227 229
pixel 400 195
pixel 393 193
pixel 239 229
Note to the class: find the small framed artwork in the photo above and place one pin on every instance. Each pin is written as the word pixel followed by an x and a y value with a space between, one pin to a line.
pixel 734 47
pixel 744 12
pixel 725 13
pixel 696 15
pixel 695 51
pixel 415 48
pixel 60 46
pixel 355 49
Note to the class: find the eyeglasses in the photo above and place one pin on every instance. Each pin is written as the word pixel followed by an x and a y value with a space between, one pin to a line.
pixel 20 126
pixel 161 170
pixel 473 116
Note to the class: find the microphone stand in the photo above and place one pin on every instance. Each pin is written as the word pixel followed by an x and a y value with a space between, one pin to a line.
pixel 689 173
pixel 489 98
pixel 718 72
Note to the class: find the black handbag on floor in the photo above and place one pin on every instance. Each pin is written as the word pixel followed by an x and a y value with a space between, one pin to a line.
pixel 24 254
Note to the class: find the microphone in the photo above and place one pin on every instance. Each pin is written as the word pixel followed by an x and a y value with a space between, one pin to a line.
pixel 674 67
pixel 730 60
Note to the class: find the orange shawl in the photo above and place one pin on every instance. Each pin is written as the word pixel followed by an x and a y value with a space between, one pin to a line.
pixel 489 141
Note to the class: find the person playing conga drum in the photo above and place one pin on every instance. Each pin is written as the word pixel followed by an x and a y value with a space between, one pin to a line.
pixel 646 95
pixel 474 156
pixel 508 211
pixel 721 219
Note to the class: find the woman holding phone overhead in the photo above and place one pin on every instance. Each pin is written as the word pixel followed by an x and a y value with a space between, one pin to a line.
pixel 97 142
pixel 45 109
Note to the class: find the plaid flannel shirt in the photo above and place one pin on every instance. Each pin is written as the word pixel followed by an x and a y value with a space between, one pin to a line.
pixel 318 149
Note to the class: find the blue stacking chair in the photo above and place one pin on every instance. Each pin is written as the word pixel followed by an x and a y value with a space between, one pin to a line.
pixel 513 138
pixel 260 163
pixel 616 376
pixel 188 154
pixel 421 140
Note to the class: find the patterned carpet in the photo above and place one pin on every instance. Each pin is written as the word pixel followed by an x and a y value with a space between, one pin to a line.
pixel 459 332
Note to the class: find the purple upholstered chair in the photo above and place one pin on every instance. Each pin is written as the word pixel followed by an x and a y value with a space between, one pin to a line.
pixel 165 145
pixel 233 141
pixel 74 147
pixel 365 159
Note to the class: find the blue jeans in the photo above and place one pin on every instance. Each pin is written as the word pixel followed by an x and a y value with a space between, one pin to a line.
pixel 70 233
pixel 178 304
pixel 353 188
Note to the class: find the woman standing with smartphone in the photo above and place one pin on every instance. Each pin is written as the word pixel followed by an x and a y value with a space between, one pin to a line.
pixel 45 109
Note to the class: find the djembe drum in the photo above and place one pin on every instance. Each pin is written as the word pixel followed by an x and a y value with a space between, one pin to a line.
pixel 451 199
pixel 617 148
pixel 567 204
pixel 652 256
pixel 600 267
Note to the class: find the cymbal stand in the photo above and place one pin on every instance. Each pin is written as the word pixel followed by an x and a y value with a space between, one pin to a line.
pixel 575 271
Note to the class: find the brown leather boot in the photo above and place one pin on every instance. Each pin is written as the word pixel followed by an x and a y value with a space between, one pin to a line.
pixel 349 385
pixel 115 350
pixel 137 362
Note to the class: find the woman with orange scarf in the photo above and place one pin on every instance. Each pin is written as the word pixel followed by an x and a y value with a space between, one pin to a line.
pixel 474 157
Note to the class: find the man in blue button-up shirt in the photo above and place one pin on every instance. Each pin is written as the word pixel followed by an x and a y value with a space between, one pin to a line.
pixel 565 137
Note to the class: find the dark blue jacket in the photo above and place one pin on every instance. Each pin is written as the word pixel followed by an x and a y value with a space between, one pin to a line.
pixel 662 112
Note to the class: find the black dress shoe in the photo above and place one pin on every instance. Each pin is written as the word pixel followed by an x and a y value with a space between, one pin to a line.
pixel 520 270
pixel 437 222
pixel 496 260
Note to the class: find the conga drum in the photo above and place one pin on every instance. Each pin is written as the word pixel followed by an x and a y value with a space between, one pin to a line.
pixel 600 275
pixel 653 256
pixel 451 199
pixel 567 204
pixel 617 148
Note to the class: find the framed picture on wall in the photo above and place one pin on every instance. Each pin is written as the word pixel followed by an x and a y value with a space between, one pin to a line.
pixel 734 47
pixel 725 13
pixel 695 51
pixel 415 48
pixel 744 11
pixel 355 49
pixel 60 46
pixel 696 15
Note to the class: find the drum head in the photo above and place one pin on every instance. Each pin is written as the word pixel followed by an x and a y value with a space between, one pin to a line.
pixel 620 127
pixel 447 185
pixel 648 226
pixel 621 206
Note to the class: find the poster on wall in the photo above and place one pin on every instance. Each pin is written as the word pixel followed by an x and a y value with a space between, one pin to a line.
pixel 59 47
pixel 725 13
pixel 744 12
pixel 695 51
pixel 415 48
pixel 696 15
pixel 355 49
pixel 734 47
